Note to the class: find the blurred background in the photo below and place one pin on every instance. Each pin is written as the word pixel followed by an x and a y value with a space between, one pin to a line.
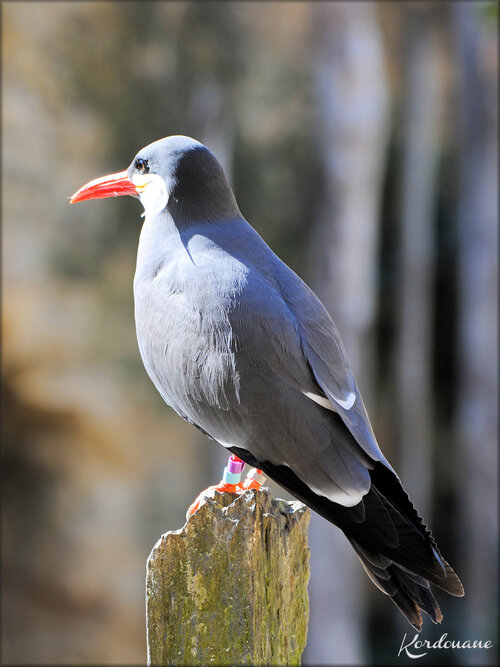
pixel 361 142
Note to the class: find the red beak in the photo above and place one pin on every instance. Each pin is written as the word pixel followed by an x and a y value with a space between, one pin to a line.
pixel 114 185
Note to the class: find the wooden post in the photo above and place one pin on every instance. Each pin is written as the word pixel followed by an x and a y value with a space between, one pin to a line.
pixel 230 587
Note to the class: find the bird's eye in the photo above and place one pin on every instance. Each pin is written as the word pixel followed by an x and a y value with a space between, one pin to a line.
pixel 142 165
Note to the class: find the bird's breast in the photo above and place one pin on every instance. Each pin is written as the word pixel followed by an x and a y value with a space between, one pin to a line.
pixel 184 332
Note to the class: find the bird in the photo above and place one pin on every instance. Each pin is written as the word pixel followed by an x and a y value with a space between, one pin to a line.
pixel 240 347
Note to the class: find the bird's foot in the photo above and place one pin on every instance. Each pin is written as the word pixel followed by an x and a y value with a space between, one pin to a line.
pixel 254 479
pixel 230 482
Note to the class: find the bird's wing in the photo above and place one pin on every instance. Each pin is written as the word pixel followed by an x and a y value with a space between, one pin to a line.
pixel 273 417
pixel 327 358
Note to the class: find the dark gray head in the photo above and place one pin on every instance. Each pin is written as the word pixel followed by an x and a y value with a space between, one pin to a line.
pixel 180 174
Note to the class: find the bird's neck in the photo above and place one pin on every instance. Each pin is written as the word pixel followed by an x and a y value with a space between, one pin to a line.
pixel 202 199
pixel 159 242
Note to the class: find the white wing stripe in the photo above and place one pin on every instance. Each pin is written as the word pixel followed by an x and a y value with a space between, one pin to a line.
pixel 349 401
pixel 325 403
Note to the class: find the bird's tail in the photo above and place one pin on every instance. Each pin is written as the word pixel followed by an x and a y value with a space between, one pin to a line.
pixel 409 592
pixel 398 551
pixel 395 547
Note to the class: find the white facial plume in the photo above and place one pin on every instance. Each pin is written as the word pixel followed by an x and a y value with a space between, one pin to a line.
pixel 153 192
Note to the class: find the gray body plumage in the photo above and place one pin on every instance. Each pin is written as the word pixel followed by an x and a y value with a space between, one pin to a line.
pixel 233 340
pixel 240 347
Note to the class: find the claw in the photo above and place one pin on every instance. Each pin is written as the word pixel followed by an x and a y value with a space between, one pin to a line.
pixel 230 483
pixel 201 498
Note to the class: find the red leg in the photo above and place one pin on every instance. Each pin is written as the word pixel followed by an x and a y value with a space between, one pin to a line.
pixel 230 483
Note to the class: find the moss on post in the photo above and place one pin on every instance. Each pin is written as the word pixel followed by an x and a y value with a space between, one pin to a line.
pixel 230 587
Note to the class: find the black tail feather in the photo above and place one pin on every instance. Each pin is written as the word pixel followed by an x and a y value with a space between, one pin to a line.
pixel 395 547
pixel 409 592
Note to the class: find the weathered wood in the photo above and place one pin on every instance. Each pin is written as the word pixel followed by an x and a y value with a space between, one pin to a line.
pixel 230 587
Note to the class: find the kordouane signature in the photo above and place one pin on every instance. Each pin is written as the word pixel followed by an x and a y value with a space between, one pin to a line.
pixel 425 645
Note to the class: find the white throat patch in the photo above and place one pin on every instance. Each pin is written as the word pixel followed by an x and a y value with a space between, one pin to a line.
pixel 153 192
